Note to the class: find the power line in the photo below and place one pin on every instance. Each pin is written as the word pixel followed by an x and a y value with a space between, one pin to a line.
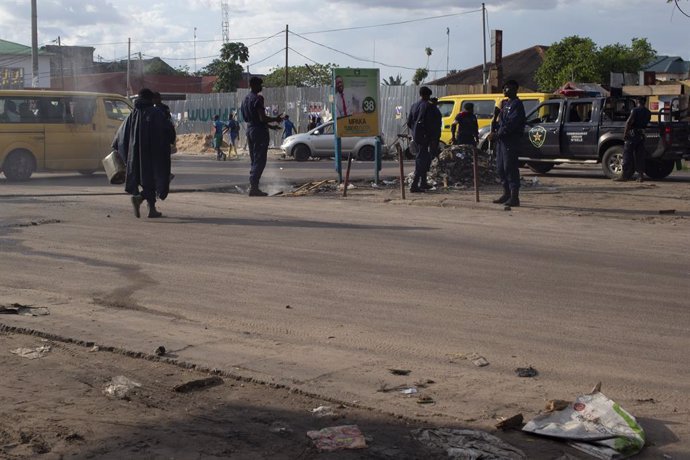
pixel 393 23
pixel 679 9
pixel 359 58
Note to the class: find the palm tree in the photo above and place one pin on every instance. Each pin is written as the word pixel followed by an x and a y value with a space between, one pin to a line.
pixel 394 81
pixel 428 52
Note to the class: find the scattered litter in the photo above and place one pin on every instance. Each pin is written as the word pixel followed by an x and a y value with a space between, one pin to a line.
pixel 350 186
pixel 467 444
pixel 23 310
pixel 409 391
pixel 120 387
pixel 454 165
pixel 160 351
pixel 526 372
pixel 337 438
pixel 277 193
pixel 32 353
pixel 239 189
pixel 535 182
pixel 315 187
pixel 511 422
pixel 667 211
pixel 323 411
pixel 647 400
pixel 556 404
pixel 288 307
pixel 400 371
pixel 425 400
pixel 390 182
pixel 198 384
pixel 94 349
pixel 480 361
pixel 593 424
pixel 280 428
pixel 384 388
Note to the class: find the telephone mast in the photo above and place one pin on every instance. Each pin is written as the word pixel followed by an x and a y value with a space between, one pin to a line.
pixel 225 14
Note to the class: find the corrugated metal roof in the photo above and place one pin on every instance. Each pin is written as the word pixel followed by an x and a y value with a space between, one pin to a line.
pixel 11 48
pixel 520 66
pixel 669 64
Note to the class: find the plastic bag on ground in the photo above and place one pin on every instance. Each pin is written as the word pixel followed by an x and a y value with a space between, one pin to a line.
pixel 31 353
pixel 338 437
pixel 468 444
pixel 593 424
pixel 120 386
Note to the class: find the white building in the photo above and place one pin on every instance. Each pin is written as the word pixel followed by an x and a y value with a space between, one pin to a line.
pixel 16 66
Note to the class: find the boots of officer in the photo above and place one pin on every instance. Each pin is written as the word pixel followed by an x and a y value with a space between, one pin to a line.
pixel 153 212
pixel 514 199
pixel 503 198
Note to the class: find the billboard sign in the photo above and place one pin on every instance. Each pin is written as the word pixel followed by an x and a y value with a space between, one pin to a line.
pixel 356 102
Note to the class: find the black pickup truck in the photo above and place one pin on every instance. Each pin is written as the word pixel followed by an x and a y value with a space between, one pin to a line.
pixel 590 131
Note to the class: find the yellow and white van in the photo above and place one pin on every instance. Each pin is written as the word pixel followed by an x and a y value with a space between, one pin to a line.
pixel 44 130
pixel 484 105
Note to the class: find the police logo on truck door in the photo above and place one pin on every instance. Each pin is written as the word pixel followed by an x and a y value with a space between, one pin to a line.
pixel 537 136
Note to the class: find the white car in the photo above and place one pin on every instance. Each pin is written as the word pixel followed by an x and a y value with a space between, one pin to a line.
pixel 320 142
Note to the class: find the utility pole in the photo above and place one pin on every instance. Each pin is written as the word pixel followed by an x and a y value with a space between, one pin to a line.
pixel 286 56
pixel 225 25
pixel 62 68
pixel 485 76
pixel 448 52
pixel 34 45
pixel 195 50
pixel 129 59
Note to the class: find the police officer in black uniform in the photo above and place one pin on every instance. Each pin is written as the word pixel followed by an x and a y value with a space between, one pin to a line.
pixel 421 122
pixel 507 131
pixel 254 113
pixel 633 149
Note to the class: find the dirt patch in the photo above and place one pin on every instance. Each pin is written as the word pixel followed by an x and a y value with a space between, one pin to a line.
pixel 56 406
pixel 195 143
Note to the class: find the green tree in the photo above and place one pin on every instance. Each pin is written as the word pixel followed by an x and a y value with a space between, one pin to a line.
pixel 428 52
pixel 303 75
pixel 622 58
pixel 419 76
pixel 572 59
pixel 394 81
pixel 578 59
pixel 228 68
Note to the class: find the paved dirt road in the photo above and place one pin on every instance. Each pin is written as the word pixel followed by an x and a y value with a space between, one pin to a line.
pixel 586 282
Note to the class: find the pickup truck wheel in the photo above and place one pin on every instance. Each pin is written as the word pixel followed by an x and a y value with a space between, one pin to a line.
pixel 658 169
pixel 366 153
pixel 612 162
pixel 540 168
pixel 19 165
pixel 301 152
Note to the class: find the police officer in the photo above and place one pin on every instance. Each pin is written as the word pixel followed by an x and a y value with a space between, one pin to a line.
pixel 507 131
pixel 421 122
pixel 466 123
pixel 633 149
pixel 254 113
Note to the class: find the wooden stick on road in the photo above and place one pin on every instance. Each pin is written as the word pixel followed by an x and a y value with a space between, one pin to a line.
pixel 402 173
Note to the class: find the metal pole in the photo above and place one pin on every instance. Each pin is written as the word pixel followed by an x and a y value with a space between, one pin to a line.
pixel 448 52
pixel 286 55
pixel 195 50
pixel 62 68
pixel 484 75
pixel 129 52
pixel 34 45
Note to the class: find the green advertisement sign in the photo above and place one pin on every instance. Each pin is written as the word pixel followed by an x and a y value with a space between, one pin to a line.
pixel 356 102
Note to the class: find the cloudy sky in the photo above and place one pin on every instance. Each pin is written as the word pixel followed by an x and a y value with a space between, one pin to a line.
pixel 349 33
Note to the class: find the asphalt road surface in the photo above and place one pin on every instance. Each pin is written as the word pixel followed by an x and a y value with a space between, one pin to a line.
pixel 326 294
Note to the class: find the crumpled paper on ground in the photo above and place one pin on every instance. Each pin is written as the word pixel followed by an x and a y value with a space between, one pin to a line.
pixel 468 444
pixel 32 353
pixel 338 437
pixel 593 424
